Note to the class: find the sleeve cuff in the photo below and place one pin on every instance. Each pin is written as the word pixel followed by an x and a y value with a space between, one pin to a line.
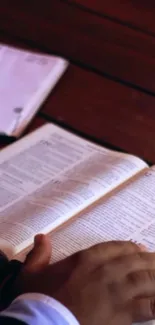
pixel 47 301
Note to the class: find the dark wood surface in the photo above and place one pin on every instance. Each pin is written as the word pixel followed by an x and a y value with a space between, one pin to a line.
pixel 139 14
pixel 108 92
pixel 94 42
pixel 104 110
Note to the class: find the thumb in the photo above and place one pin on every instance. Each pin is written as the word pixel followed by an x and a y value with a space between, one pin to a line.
pixel 39 256
pixel 143 309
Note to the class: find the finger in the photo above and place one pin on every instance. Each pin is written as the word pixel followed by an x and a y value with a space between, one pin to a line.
pixel 136 285
pixel 107 251
pixel 143 310
pixel 123 317
pixel 124 265
pixel 143 248
pixel 40 255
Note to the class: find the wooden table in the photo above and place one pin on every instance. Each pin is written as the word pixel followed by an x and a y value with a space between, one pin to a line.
pixel 108 92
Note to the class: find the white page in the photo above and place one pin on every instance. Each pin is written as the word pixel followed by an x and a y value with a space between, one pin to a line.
pixel 50 176
pixel 25 80
pixel 127 215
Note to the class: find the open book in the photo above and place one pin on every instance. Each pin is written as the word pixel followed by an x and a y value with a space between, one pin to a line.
pixel 52 178
pixel 26 79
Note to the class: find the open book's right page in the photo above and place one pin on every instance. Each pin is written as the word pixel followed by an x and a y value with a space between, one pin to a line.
pixel 127 214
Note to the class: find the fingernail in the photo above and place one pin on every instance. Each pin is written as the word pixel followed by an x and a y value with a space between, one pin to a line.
pixel 143 248
pixel 38 238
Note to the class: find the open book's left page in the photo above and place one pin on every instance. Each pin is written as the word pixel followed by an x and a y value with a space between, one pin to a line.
pixel 50 176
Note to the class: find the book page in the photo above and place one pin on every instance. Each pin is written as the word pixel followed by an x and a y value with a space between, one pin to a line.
pixel 127 214
pixel 50 176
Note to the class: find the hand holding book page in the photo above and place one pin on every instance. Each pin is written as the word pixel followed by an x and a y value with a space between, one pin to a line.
pixel 49 177
pixel 126 214
pixel 95 286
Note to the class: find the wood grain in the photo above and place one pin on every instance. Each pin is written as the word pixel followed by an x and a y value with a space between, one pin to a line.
pixel 105 111
pixel 98 43
pixel 139 14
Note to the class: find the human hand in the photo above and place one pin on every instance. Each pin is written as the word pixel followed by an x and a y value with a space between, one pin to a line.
pixel 111 283
pixel 3 262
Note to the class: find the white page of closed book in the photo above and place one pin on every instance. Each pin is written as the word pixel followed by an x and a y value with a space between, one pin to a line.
pixel 26 78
